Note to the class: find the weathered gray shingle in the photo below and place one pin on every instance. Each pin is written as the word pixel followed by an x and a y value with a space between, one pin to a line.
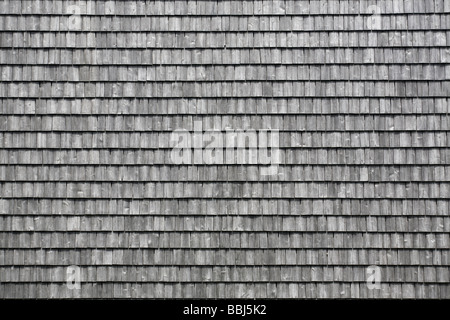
pixel 88 104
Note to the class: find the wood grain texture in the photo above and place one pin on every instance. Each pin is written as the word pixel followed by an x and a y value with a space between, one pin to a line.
pixel 86 176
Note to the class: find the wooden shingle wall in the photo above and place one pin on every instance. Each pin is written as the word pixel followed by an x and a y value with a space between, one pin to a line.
pixel 86 114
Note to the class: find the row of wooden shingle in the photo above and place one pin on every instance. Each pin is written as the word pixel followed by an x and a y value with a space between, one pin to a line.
pixel 265 39
pixel 239 107
pixel 166 223
pixel 335 156
pixel 311 124
pixel 390 274
pixel 224 73
pixel 116 290
pixel 223 23
pixel 223 173
pixel 228 255
pixel 194 58
pixel 263 207
pixel 242 89
pixel 186 240
pixel 224 141
pixel 256 190
pixel 229 7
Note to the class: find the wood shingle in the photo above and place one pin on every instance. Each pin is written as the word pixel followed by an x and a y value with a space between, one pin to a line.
pixel 91 93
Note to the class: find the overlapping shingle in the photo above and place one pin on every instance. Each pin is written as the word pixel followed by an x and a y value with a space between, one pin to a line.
pixel 90 95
